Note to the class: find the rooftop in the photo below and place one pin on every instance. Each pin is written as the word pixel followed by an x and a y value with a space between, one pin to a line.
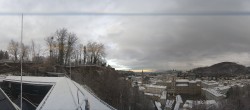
pixel 155 86
pixel 169 103
pixel 182 84
pixel 5 102
pixel 63 91
pixel 213 91
pixel 190 103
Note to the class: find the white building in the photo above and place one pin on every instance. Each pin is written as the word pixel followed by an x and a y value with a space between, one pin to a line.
pixel 209 84
pixel 169 104
pixel 222 89
pixel 188 105
pixel 178 103
pixel 212 94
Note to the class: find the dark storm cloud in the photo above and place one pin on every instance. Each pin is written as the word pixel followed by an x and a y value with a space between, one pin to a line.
pixel 142 42
pixel 186 42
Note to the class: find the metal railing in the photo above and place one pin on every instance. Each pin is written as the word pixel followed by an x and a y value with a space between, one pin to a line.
pixel 93 94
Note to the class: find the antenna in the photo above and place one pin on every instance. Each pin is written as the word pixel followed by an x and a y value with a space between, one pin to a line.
pixel 70 66
pixel 21 101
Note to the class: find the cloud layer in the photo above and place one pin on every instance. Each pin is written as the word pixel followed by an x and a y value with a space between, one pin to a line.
pixel 141 42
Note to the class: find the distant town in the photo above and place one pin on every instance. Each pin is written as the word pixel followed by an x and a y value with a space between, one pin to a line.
pixel 189 90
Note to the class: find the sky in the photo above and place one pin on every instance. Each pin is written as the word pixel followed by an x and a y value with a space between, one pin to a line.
pixel 152 39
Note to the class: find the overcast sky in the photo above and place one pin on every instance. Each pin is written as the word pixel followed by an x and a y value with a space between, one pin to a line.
pixel 140 42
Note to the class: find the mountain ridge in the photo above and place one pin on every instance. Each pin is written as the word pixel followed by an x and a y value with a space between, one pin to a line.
pixel 222 69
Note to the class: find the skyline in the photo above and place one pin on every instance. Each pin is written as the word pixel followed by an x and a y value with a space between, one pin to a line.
pixel 141 42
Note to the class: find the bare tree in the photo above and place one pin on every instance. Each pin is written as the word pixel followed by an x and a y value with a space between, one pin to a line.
pixel 61 35
pixel 37 58
pixel 85 54
pixel 13 49
pixel 91 50
pixel 97 52
pixel 100 54
pixel 38 50
pixel 33 50
pixel 50 42
pixel 80 52
pixel 24 51
pixel 71 42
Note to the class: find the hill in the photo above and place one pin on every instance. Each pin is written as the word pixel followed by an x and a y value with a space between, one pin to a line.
pixel 222 69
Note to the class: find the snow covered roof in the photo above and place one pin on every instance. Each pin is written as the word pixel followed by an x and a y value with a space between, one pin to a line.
pixel 213 91
pixel 2 77
pixel 188 81
pixel 141 88
pixel 185 84
pixel 158 105
pixel 151 94
pixel 182 80
pixel 223 87
pixel 179 99
pixel 163 95
pixel 169 104
pixel 155 86
pixel 210 82
pixel 64 94
pixel 177 106
pixel 178 102
pixel 189 103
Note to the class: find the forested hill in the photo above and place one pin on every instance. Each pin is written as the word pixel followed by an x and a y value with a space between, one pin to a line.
pixel 223 68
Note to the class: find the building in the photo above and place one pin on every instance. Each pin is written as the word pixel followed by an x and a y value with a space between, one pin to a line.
pixel 212 94
pixel 184 86
pixel 169 104
pixel 178 103
pixel 209 104
pixel 222 89
pixel 209 84
pixel 154 89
